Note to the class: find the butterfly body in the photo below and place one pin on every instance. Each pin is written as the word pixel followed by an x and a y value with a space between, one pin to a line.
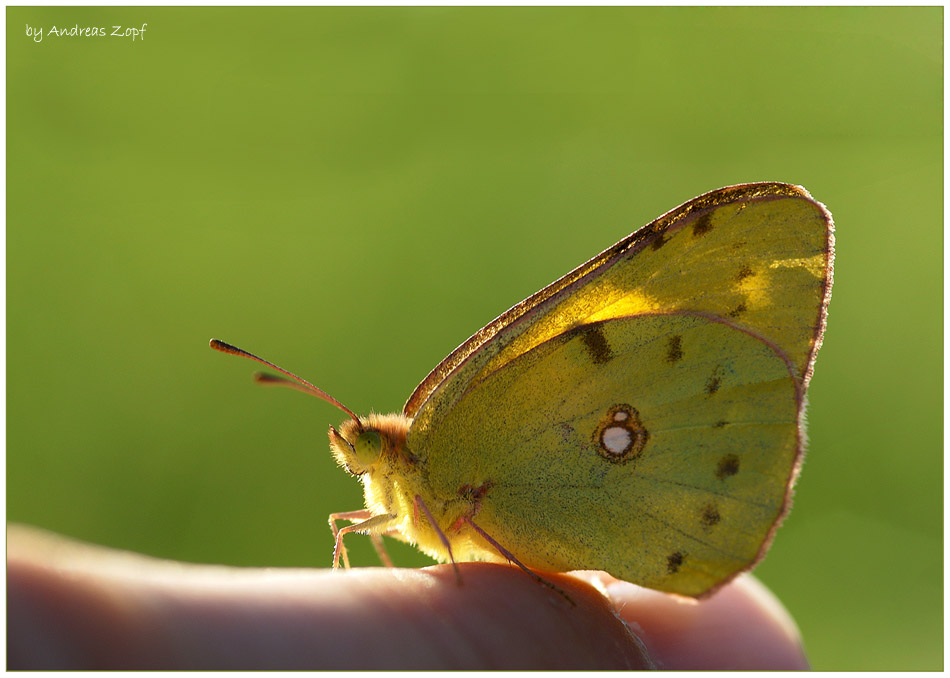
pixel 641 415
pixel 392 483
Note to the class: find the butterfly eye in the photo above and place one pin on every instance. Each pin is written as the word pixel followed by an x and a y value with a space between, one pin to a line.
pixel 369 445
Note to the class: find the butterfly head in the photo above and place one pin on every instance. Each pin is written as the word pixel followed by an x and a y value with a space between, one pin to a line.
pixel 368 443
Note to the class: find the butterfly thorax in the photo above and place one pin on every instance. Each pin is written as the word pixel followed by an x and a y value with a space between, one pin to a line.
pixel 395 479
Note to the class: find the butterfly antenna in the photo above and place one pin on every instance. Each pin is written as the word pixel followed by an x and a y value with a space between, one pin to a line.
pixel 293 381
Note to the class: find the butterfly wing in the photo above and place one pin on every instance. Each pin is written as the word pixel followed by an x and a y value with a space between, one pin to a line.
pixel 657 447
pixel 733 286
pixel 760 254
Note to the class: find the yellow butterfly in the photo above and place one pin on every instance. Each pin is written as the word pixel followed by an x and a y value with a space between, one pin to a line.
pixel 642 415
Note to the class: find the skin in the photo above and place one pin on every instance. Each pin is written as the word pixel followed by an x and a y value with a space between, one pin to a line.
pixel 76 606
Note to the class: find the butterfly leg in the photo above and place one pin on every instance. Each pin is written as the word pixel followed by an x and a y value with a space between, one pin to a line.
pixel 380 547
pixel 362 514
pixel 511 559
pixel 369 526
pixel 445 540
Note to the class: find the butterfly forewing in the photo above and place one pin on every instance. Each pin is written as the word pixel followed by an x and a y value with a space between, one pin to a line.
pixel 758 254
pixel 642 414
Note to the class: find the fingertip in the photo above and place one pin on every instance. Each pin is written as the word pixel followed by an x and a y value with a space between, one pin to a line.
pixel 741 627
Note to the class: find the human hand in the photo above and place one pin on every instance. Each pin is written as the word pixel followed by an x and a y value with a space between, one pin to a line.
pixel 77 606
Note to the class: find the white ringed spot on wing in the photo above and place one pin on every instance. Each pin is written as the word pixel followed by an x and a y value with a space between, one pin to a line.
pixel 620 435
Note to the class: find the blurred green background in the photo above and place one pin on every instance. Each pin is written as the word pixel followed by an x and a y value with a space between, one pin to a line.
pixel 352 192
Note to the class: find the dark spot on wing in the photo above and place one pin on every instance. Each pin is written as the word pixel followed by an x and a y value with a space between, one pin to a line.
pixel 674 349
pixel 721 423
pixel 703 225
pixel 714 382
pixel 744 273
pixel 673 562
pixel 737 311
pixel 728 466
pixel 710 515
pixel 596 344
pixel 658 242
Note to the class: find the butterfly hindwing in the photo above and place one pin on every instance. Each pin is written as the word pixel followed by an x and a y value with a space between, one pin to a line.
pixel 657 447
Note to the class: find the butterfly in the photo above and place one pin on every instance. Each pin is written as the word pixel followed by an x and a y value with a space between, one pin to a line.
pixel 642 415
